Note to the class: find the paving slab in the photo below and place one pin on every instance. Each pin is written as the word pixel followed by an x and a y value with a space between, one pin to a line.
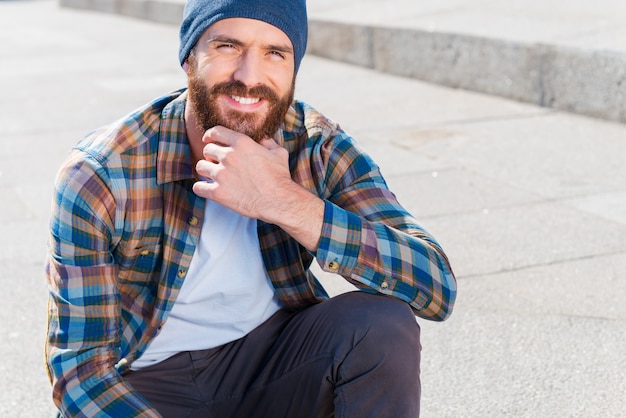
pixel 495 363
pixel 524 236
pixel 576 289
pixel 607 205
pixel 455 191
pixel 556 155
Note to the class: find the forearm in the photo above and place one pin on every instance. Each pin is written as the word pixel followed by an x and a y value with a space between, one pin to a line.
pixel 371 240
pixel 81 363
pixel 298 212
pixel 86 384
pixel 403 261
pixel 108 397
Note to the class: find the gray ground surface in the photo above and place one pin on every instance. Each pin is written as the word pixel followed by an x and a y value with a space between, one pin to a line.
pixel 530 204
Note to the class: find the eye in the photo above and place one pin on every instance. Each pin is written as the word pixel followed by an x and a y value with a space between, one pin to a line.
pixel 225 47
pixel 277 55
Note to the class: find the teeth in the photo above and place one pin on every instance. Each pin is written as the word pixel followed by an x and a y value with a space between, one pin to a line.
pixel 246 100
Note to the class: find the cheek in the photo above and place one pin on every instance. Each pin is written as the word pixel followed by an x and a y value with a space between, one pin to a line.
pixel 214 71
pixel 284 83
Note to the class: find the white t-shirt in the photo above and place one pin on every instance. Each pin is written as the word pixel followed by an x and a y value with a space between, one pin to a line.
pixel 226 294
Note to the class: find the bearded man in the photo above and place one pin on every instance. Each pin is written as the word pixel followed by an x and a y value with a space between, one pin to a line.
pixel 182 236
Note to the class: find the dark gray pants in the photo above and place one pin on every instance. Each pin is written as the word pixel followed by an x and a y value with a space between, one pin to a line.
pixel 356 355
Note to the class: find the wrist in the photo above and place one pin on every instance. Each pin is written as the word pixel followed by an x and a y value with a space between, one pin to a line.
pixel 299 213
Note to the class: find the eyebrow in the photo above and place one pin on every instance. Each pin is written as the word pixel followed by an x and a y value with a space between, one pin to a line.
pixel 225 39
pixel 280 48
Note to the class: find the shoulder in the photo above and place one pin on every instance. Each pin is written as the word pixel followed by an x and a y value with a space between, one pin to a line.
pixel 310 128
pixel 325 157
pixel 103 161
pixel 133 132
pixel 302 118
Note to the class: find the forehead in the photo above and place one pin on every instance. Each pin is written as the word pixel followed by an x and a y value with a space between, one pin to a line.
pixel 247 30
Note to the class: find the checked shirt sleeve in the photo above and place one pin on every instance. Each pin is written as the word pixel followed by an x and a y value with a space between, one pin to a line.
pixel 83 341
pixel 371 240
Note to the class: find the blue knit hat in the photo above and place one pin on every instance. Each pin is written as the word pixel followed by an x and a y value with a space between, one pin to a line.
pixel 287 15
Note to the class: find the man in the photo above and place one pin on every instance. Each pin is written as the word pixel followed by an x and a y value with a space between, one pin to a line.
pixel 182 236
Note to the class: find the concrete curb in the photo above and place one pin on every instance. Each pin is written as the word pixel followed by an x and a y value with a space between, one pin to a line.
pixel 587 82
pixel 583 81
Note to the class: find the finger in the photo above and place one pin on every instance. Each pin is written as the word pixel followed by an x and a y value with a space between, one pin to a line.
pixel 207 169
pixel 204 188
pixel 269 143
pixel 220 135
pixel 215 152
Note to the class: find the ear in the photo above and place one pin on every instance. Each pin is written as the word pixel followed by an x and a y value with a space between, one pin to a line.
pixel 186 66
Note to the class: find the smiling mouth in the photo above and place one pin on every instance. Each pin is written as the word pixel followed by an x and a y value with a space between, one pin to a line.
pixel 245 100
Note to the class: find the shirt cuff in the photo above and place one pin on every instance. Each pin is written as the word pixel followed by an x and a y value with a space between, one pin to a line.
pixel 340 243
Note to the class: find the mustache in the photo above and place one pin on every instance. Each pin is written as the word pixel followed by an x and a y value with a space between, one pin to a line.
pixel 237 88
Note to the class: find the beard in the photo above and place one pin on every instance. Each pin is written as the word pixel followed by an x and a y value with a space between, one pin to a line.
pixel 257 126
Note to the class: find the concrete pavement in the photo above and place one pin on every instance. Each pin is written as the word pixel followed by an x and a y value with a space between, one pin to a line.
pixel 529 202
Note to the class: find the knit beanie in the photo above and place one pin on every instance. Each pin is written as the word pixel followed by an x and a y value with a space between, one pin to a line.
pixel 287 15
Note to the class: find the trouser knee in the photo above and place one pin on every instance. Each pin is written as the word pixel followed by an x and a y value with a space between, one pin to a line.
pixel 384 326
pixel 385 316
pixel 380 374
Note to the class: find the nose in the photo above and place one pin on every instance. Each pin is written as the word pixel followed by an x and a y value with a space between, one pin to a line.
pixel 249 70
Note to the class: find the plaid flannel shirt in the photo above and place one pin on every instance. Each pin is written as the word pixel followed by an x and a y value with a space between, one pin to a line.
pixel 125 224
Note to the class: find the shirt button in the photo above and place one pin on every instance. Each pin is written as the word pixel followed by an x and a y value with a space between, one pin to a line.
pixel 193 221
pixel 144 253
pixel 333 265
pixel 384 285
pixel 181 273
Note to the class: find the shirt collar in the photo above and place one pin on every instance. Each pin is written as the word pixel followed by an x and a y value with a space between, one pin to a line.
pixel 174 160
pixel 303 122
